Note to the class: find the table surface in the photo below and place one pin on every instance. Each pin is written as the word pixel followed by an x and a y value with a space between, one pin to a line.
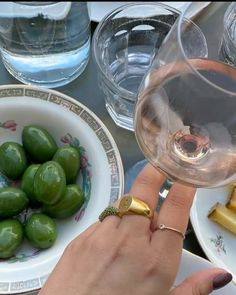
pixel 85 89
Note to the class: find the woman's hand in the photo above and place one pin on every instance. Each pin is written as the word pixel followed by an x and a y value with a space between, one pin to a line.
pixel 130 255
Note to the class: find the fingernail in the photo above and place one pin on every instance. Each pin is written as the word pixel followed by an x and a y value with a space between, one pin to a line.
pixel 221 280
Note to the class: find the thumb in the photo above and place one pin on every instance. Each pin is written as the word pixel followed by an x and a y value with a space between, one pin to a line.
pixel 203 282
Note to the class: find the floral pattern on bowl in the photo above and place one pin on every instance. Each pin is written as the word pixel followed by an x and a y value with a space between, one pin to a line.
pixel 9 124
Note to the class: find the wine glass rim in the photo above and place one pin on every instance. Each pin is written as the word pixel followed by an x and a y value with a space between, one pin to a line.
pixel 222 67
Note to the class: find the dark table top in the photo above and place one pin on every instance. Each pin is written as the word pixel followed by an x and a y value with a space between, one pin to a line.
pixel 85 89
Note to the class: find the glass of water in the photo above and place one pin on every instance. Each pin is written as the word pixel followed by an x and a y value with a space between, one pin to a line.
pixel 228 44
pixel 45 43
pixel 124 44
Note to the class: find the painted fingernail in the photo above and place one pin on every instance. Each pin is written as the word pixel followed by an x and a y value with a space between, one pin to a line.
pixel 221 280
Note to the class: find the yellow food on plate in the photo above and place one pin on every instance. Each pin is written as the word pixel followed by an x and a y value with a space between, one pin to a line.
pixel 232 200
pixel 222 215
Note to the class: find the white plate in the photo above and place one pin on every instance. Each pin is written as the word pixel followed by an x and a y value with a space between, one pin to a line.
pixel 191 263
pixel 101 178
pixel 100 9
pixel 218 243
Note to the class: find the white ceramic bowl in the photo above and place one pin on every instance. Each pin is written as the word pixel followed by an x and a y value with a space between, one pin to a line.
pixel 101 176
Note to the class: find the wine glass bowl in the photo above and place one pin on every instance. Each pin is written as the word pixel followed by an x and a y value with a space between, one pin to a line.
pixel 185 116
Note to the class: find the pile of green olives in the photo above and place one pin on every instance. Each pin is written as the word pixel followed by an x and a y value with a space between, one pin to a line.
pixel 47 175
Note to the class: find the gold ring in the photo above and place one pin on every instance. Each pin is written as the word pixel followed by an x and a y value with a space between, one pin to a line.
pixel 131 205
pixel 162 226
pixel 108 212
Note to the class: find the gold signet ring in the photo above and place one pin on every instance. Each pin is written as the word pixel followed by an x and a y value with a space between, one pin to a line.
pixel 131 205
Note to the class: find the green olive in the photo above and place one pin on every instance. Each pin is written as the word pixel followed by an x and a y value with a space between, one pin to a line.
pixel 39 143
pixel 13 160
pixel 70 203
pixel 49 183
pixel 27 184
pixel 12 201
pixel 41 230
pixel 11 237
pixel 69 159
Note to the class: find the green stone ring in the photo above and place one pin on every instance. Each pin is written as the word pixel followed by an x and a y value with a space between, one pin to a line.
pixel 108 212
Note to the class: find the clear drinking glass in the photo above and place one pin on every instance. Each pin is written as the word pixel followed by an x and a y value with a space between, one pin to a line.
pixel 228 46
pixel 45 43
pixel 124 44
pixel 185 117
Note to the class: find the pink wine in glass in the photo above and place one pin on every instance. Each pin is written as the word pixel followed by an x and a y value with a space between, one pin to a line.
pixel 186 128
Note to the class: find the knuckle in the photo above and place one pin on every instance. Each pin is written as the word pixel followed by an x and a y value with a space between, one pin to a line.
pixel 144 180
pixel 176 201
pixel 105 244
pixel 160 266
pixel 150 269
pixel 179 199
pixel 152 264
pixel 96 244
pixel 74 245
pixel 92 244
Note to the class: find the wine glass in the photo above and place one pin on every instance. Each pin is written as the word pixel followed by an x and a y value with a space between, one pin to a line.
pixel 185 116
